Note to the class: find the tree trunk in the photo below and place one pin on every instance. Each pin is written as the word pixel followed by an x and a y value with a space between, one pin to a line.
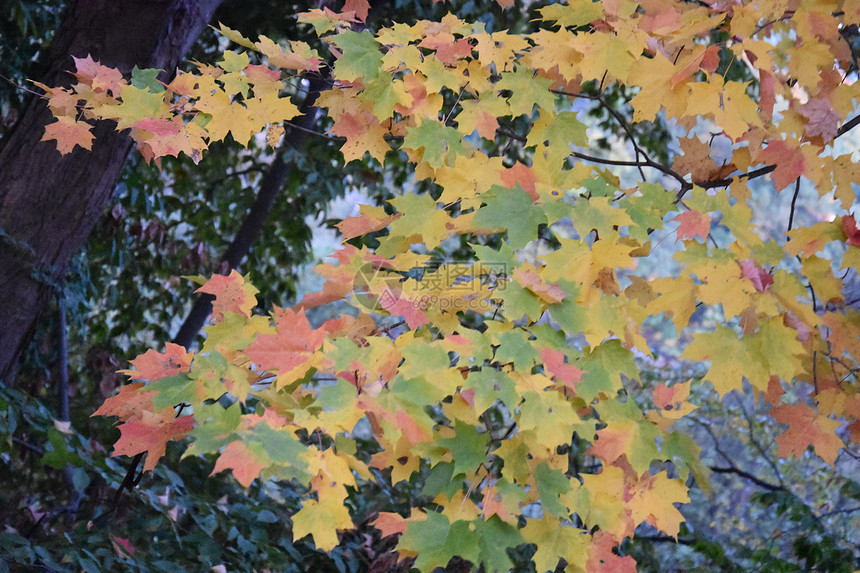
pixel 49 203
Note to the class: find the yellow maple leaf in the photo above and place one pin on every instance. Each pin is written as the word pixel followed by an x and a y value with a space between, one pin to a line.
pixel 321 519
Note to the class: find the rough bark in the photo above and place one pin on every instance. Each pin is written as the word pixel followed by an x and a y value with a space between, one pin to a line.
pixel 49 203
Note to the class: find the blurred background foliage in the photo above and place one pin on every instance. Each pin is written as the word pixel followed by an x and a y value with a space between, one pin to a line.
pixel 125 294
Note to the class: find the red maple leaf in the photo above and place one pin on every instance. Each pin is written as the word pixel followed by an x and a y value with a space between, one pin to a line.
pixel 150 433
pixel 397 304
pixel 359 7
pixel 851 230
pixel 693 223
pixel 553 363
pixel 789 161
pixel 823 120
pixel 101 78
pixel 760 278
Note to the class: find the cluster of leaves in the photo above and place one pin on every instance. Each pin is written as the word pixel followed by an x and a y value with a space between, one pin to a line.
pixel 498 374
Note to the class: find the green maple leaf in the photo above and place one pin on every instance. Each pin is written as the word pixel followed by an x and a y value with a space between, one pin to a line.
pixel 360 59
pixel 519 302
pixel 146 79
pixel 501 205
pixel 527 91
pixel 468 448
pixel 551 483
pixel 422 357
pixel 283 449
pixel 573 14
pixel 491 385
pixel 136 104
pixel 514 348
pixel 686 455
pixel 216 427
pixel 493 535
pixel 557 132
pixel 570 315
pixel 438 141
pixel 436 541
pixel 505 257
pixel 439 481
pixel 603 367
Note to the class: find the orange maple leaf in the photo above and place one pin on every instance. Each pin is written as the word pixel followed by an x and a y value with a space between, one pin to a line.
pixel 521 174
pixel 68 133
pixel 129 403
pixel 153 365
pixel 389 523
pixel 601 559
pixel 371 219
pixel 291 347
pixel 806 427
pixel 239 458
pixel 101 78
pixel 232 294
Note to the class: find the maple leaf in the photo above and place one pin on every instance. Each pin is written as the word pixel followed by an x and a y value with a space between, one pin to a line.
pixel 244 462
pixel 129 403
pixel 68 133
pixel 101 78
pixel 359 7
pixel 823 120
pixel 232 294
pixel 692 223
pixel 553 362
pixel 360 58
pixel 788 159
pixel 851 230
pixel 528 277
pixel 760 278
pixel 150 433
pixel 573 14
pixel 601 559
pixel 652 499
pixel 806 427
pixel 370 220
pixel 389 523
pixel 152 365
pixel 321 519
pixel 292 346
pixel 438 143
pixel 500 203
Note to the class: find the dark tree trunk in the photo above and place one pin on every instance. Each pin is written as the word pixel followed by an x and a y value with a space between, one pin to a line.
pixel 49 203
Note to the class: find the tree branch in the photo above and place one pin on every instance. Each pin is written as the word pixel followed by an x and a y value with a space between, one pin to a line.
pixel 848 126
pixel 732 469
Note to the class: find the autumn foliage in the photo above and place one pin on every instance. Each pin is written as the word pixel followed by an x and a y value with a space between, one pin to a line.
pixel 487 376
